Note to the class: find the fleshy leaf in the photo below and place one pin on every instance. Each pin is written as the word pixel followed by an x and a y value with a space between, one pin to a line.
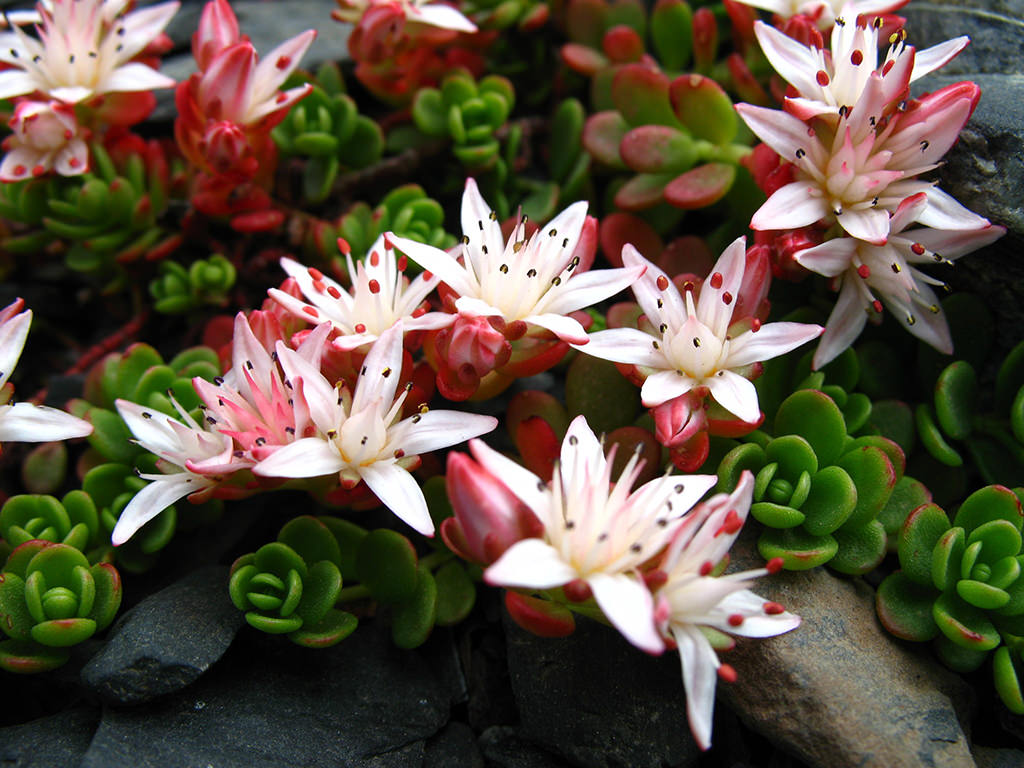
pixel 386 565
pixel 541 617
pixel 830 502
pixel 703 186
pixel 799 550
pixel 311 540
pixel 905 608
pixel 956 394
pixel 964 624
pixel 703 107
pixel 992 502
pixel 455 593
pixel 814 416
pixel 874 476
pixel 922 531
pixel 334 627
pixel 413 619
pixel 657 149
pixel 319 592
pixel 860 549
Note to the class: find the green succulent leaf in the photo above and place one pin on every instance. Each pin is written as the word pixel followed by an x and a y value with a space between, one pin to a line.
pixel 15 618
pixel 320 592
pixel 349 537
pixel 311 540
pixel 905 608
pixel 831 500
pixel 386 565
pixel 455 593
pixel 992 502
pixel 947 558
pixel 413 619
pixel 932 438
pixel 923 530
pixel 861 549
pixel 964 624
pixel 956 393
pixel 957 657
pixel 814 416
pixel 799 550
pixel 1006 679
pixel 26 657
pixel 776 515
pixel 334 627
pixel 873 475
pixel 907 495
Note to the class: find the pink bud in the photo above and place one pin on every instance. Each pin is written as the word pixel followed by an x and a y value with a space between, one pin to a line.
pixel 218 28
pixel 679 419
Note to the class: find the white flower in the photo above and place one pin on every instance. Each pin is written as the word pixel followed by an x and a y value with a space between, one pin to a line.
pixel 381 295
pixel 694 346
pixel 830 80
pixel 594 531
pixel 825 11
pixel 24 422
pixel 45 137
pixel 417 11
pixel 692 600
pixel 527 280
pixel 201 457
pixel 861 270
pixel 360 436
pixel 84 49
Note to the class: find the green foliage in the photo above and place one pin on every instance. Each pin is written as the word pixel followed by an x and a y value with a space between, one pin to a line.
pixel 503 14
pixel 327 131
pixel 50 600
pixel 206 282
pixel 73 520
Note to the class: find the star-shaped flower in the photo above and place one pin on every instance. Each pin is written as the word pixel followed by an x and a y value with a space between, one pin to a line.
pixel 594 531
pixel 696 344
pixel 529 280
pixel 24 422
pixel 692 600
pixel 861 270
pixel 45 136
pixel 85 48
pixel 380 296
pixel 360 437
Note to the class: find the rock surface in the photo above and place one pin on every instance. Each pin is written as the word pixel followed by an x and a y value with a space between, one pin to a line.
pixel 167 641
pixel 987 757
pixel 597 701
pixel 58 741
pixel 271 704
pixel 454 747
pixel 996 29
pixel 503 748
pixel 839 691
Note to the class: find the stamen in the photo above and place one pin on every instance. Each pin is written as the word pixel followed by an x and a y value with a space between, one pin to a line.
pixel 696 342
pixel 573 440
pixel 374 286
pixel 503 269
pixel 800 153
pixel 773 609
pixel 531 273
pixel 822 78
pixel 727 298
pixel 662 282
pixel 864 271
pixel 716 280
pixel 856 58
pixel 917 248
pixel 727 673
pixel 896 268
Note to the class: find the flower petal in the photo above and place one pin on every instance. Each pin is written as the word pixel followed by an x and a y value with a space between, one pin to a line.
pixel 532 564
pixel 307 457
pixel 736 394
pixel 662 386
pixel 794 205
pixel 442 16
pixel 13 334
pixel 133 77
pixel 440 429
pixel 770 341
pixel 625 345
pixel 438 262
pixel 27 423
pixel 628 605
pixel 700 674
pixel 398 491
pixel 152 500
pixel 588 288
pixel 844 324
pixel 566 328
pixel 831 258
pixel 521 481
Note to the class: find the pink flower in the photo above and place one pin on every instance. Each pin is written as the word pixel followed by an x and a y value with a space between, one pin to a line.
pixel 85 48
pixel 45 137
pixel 696 345
pixel 594 531
pixel 692 603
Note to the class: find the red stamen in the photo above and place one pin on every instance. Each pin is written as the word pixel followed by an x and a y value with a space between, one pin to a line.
pixel 419 312
pixel 281 98
pixel 374 286
pixel 755 325
pixel 716 280
pixel 706 568
pixel 727 298
pixel 662 282
pixel 311 312
pixel 38 171
pixel 864 271
pixel 315 273
pixel 68 134
pixel 388 244
pixel 74 162
pixel 888 65
pixel 318 286
pixel 374 259
pixel 344 247
pixel 877 305
pixel 403 263
pixel 774 565
pixel 399 453
pixel 918 249
pixel 856 58
pixel 19 170
pixel 735 619
pixel 428 275
pixel 822 78
pixel 773 609
pixel 731 524
pixel 727 673
pixel 283 62
pixel 360 328
pixel 334 292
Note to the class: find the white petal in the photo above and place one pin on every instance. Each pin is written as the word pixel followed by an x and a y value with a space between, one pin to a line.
pixel 662 386
pixel 790 58
pixel 440 429
pixel 792 206
pixel 870 224
pixel 589 288
pixel 700 674
pixel 399 492
pixel 756 623
pixel 770 341
pixel 321 397
pixel 736 394
pixel 308 457
pixel 711 309
pixel 830 258
pixel 443 16
pixel 944 212
pixel 151 428
pixel 564 327
pixel 582 460
pixel 133 77
pixel 269 76
pixel 27 423
pixel 152 500
pixel 381 369
pixel 844 324
pixel 13 334
pixel 14 82
pixel 628 605
pixel 625 345
pixel 477 224
pixel 474 307
pixel 530 563
pixel 438 262
pixel 779 130
pixel 142 25
pixel 953 244
pixel 935 57
pixel 673 310
pixel 521 481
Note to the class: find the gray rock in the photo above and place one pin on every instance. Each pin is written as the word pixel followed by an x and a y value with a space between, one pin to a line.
pixel 839 691
pixel 58 741
pixel 454 747
pixel 987 757
pixel 270 704
pixel 597 701
pixel 503 748
pixel 167 641
pixel 996 30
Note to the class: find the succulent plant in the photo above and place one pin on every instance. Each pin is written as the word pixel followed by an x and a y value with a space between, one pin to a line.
pixel 50 600
pixel 818 491
pixel 467 112
pixel 502 14
pixel 206 281
pixel 961 585
pixel 326 129
pixel 72 520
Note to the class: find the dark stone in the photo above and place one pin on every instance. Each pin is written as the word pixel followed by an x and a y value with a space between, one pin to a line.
pixel 50 742
pixel 995 27
pixel 454 747
pixel 491 701
pixel 828 692
pixel 987 757
pixel 167 641
pixel 271 704
pixel 597 701
pixel 503 748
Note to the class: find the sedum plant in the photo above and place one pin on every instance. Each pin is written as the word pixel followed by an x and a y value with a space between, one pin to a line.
pixel 205 282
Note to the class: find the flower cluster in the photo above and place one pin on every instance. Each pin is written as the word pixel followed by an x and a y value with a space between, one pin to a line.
pixel 853 144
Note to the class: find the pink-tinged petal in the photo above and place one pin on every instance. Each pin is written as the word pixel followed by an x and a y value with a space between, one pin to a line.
pixel 430 321
pixel 438 262
pixel 152 429
pixel 73 160
pixel 756 623
pixel 727 274
pixel 831 258
pixel 441 429
pixel 564 327
pixel 582 460
pixel 567 226
pixel 27 423
pixel 142 25
pixel 794 205
pixel 628 605
pixel 224 87
pixel 656 492
pixel 700 674
pixel 478 225
pixel 952 244
pixel 318 392
pixel 14 82
pixel 844 324
pixel 589 288
pixel 648 293
pixel 13 334
pixel 626 345
pixel 298 307
pixel 521 481
pixel 152 500
pixel 474 307
pixel 132 77
pixel 442 16
pixel 381 369
pixel 806 109
pixel 935 57
pixel 736 394
pixel 779 130
pixel 662 386
pixel 905 214
pixel 72 94
pixel 399 492
pixel 279 104
pixel 308 457
pixel 770 341
pixel 944 212
pixel 869 224
pixel 532 564
pixel 275 67
pixel 931 327
pixel 790 58
pixel 18 163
